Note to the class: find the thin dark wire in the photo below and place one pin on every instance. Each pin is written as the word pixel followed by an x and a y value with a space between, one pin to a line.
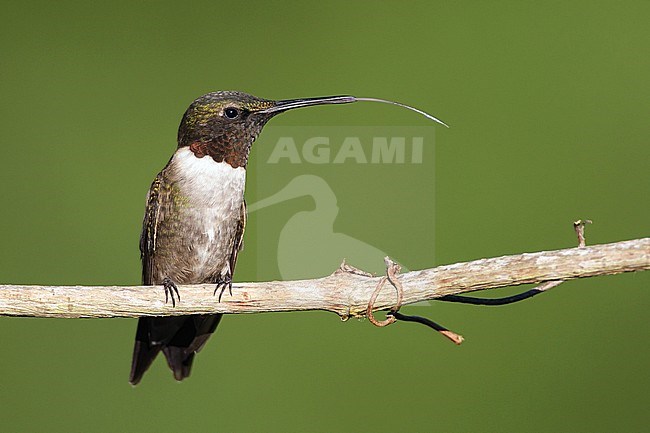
pixel 491 302
pixel 417 319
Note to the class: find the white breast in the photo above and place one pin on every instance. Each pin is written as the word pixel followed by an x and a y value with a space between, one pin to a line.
pixel 214 183
pixel 213 194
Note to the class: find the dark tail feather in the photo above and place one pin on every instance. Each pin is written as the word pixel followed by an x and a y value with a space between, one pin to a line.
pixel 178 337
pixel 188 340
pixel 205 327
pixel 179 361
pixel 143 352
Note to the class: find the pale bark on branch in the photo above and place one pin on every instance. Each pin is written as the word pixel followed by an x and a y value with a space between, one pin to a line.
pixel 345 292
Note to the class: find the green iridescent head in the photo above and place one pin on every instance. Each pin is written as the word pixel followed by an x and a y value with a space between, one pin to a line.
pixel 217 113
pixel 224 124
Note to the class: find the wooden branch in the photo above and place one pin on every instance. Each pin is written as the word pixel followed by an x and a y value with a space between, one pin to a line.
pixel 346 292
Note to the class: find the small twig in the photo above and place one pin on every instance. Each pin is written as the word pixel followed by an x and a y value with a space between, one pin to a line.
pixel 392 269
pixel 579 227
pixel 379 323
pixel 345 267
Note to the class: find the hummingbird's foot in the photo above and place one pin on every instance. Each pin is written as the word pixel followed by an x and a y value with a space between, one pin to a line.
pixel 170 290
pixel 223 282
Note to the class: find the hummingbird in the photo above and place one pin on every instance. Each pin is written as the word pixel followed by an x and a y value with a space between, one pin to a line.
pixel 195 216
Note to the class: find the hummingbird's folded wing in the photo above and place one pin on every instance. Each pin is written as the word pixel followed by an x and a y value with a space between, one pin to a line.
pixel 150 224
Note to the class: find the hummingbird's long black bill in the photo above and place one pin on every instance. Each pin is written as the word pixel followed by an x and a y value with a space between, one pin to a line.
pixel 289 104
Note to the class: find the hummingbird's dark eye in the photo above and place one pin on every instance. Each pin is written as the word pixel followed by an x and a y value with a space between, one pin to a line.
pixel 231 113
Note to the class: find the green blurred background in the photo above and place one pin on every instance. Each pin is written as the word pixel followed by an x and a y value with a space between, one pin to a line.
pixel 548 104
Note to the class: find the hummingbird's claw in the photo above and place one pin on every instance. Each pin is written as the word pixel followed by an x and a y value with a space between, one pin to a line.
pixel 223 282
pixel 170 290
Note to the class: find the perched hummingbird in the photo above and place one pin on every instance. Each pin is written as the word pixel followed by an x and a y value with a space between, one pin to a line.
pixel 195 216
